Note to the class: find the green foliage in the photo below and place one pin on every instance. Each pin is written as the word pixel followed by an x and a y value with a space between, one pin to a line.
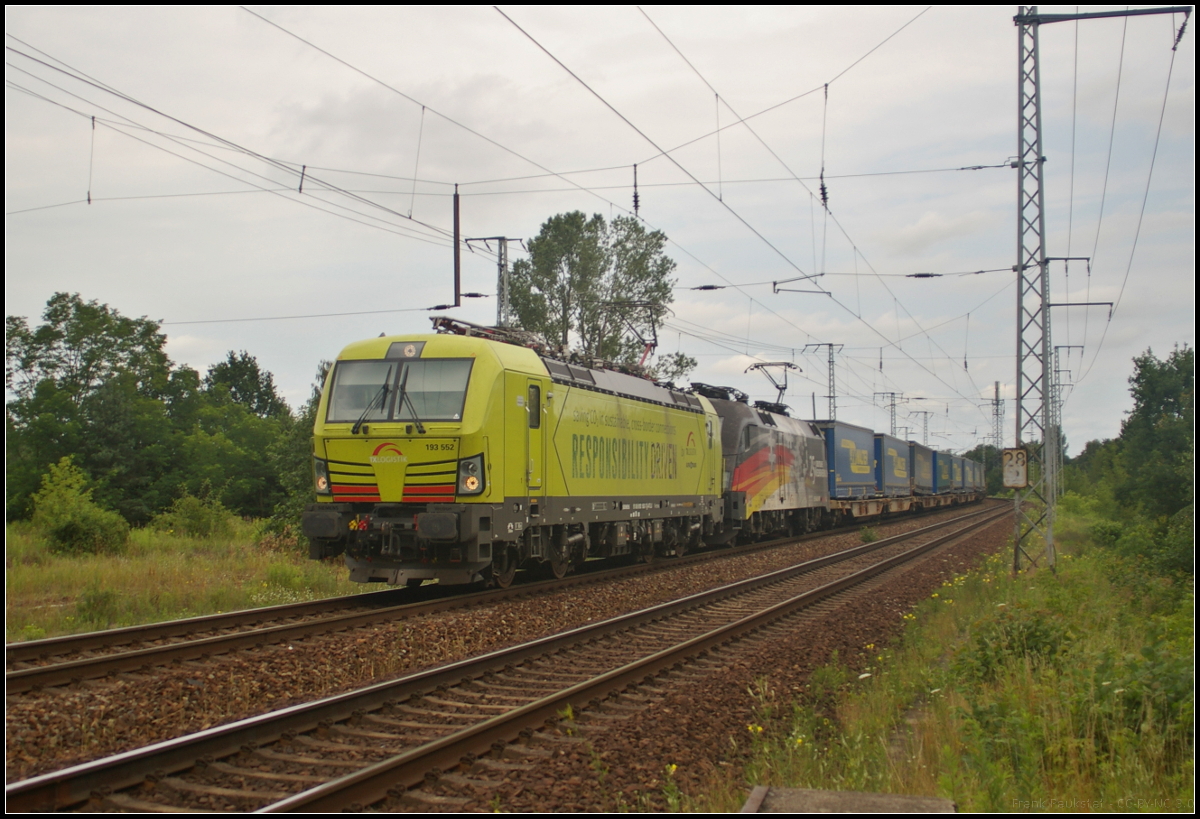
pixel 157 576
pixel 98 386
pixel 203 517
pixel 672 367
pixel 81 346
pixel 867 534
pixel 1075 689
pixel 608 284
pixel 1165 547
pixel 566 261
pixel 1014 633
pixel 97 607
pixel 1144 482
pixel 1106 532
pixel 291 458
pixel 240 377
pixel 1154 687
pixel 228 449
pixel 90 383
pixel 71 520
pixel 1158 436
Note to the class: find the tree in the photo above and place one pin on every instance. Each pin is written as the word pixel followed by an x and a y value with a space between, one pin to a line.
pixel 1158 437
pixel 78 380
pixel 97 386
pixel 566 260
pixel 80 346
pixel 291 457
pixel 607 284
pixel 240 376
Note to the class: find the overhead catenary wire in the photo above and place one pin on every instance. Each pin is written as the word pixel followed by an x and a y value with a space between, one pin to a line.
pixel 306 316
pixel 69 72
pixel 1112 132
pixel 231 145
pixel 491 141
pixel 1141 214
pixel 85 79
pixel 648 139
pixel 825 208
pixel 742 120
pixel 771 311
pixel 376 222
pixel 724 180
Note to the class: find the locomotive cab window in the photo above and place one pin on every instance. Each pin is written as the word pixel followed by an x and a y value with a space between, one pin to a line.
pixel 535 406
pixel 433 390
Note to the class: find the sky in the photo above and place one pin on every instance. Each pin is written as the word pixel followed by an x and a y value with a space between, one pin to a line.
pixel 279 180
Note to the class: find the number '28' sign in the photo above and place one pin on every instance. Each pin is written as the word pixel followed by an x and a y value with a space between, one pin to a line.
pixel 1016 468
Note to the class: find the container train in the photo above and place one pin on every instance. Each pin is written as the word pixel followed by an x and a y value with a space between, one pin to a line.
pixel 460 456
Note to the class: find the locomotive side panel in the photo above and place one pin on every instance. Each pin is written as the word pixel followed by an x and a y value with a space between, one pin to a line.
pixel 775 469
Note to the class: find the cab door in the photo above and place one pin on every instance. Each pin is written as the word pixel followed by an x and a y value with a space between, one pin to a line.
pixel 535 430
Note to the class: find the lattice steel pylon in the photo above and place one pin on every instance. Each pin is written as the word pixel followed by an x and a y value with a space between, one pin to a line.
pixel 997 417
pixel 1034 510
pixel 1034 505
pixel 505 314
pixel 833 348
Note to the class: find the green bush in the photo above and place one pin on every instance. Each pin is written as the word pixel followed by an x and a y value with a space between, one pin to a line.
pixel 1015 632
pixel 1165 546
pixel 72 522
pixel 1106 533
pixel 196 517
pixel 868 535
pixel 98 607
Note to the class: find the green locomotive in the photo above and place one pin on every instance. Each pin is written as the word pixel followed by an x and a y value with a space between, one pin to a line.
pixel 457 458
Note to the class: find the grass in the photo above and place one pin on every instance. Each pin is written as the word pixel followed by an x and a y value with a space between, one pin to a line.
pixel 1066 691
pixel 157 576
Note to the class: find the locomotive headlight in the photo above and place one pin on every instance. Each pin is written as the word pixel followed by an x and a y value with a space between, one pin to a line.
pixel 321 477
pixel 470 475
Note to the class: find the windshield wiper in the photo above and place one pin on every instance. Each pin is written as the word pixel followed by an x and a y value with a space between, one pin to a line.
pixel 380 398
pixel 404 399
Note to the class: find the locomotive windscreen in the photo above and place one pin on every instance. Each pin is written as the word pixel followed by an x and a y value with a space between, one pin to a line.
pixel 435 388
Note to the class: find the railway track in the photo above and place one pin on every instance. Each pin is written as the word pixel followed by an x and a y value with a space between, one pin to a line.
pixel 457 721
pixel 39 664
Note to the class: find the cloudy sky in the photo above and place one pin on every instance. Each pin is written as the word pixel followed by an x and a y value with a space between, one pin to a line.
pixel 205 119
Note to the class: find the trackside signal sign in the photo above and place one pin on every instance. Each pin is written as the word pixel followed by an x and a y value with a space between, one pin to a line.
pixel 1016 468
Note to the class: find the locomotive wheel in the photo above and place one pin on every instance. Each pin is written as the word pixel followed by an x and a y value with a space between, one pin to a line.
pixel 559 563
pixel 504 567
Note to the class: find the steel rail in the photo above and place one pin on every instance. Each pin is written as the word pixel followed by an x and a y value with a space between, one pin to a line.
pixel 32 650
pixel 408 769
pixel 376 611
pixel 76 784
